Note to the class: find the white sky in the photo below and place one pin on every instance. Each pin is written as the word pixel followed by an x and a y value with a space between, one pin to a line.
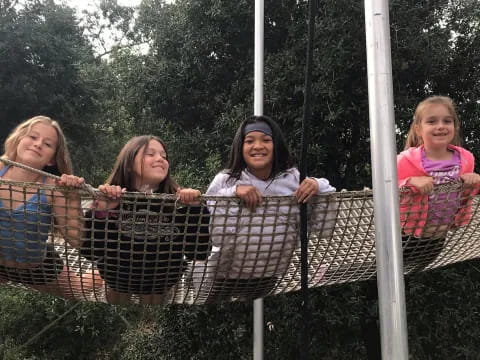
pixel 108 37
pixel 89 4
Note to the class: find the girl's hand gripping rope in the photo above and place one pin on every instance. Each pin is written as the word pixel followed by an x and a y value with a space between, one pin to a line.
pixel 250 195
pixel 470 178
pixel 307 189
pixel 70 180
pixel 424 184
pixel 188 196
pixel 112 193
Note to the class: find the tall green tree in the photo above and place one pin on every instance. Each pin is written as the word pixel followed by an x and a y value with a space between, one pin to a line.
pixel 41 51
pixel 43 56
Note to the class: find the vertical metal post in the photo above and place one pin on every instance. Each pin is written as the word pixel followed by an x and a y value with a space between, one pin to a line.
pixel 258 329
pixel 393 322
pixel 258 61
pixel 258 110
pixel 307 115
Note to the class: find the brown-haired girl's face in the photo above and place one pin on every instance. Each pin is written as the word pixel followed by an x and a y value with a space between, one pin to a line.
pixel 150 166
pixel 436 127
pixel 38 147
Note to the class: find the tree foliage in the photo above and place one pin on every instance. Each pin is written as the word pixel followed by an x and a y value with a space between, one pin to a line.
pixel 42 52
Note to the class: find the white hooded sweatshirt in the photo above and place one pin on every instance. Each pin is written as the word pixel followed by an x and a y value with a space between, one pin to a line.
pixel 260 244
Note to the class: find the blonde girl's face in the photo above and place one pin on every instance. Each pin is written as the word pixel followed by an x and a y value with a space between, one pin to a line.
pixel 150 166
pixel 38 147
pixel 257 152
pixel 437 126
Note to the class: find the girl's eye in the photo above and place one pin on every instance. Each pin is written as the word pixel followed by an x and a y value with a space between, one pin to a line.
pixel 48 145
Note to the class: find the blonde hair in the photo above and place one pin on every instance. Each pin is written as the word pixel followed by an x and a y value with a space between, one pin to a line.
pixel 63 163
pixel 413 140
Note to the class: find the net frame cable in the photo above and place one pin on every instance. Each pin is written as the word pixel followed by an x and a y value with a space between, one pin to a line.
pixel 307 114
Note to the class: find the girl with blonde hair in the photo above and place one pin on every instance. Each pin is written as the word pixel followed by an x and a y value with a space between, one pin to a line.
pixel 433 156
pixel 27 216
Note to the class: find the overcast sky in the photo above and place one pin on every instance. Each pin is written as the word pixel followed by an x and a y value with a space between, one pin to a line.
pixel 108 36
pixel 86 4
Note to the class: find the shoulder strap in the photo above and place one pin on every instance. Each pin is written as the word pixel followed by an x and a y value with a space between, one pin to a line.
pixel 4 170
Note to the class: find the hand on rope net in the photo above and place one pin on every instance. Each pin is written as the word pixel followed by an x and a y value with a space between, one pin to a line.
pixel 436 225
pixel 151 249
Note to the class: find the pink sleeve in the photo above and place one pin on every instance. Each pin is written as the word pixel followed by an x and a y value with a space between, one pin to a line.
pixel 468 161
pixel 402 170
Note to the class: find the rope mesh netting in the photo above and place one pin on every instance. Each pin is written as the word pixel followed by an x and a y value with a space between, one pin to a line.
pixel 217 250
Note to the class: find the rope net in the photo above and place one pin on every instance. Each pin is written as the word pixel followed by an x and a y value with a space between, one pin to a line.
pixel 151 249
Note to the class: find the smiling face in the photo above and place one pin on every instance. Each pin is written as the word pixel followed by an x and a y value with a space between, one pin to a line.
pixel 257 152
pixel 38 147
pixel 150 166
pixel 437 127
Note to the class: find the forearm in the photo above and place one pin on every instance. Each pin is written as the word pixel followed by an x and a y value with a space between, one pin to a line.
pixel 69 219
pixel 324 185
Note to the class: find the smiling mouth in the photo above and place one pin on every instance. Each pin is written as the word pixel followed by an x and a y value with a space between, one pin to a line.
pixel 35 151
pixel 158 168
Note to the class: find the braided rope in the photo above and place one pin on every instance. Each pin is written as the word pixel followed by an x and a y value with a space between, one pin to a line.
pixel 89 188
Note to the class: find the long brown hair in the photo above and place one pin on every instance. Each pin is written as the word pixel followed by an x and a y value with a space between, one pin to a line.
pixel 63 163
pixel 122 173
pixel 413 140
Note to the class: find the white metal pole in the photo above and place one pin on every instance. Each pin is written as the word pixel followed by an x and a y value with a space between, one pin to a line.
pixel 258 110
pixel 259 50
pixel 393 320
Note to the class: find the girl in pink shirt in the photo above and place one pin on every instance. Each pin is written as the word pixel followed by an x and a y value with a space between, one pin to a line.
pixel 432 157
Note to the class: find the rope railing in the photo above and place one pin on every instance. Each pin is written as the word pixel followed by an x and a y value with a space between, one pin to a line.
pixel 152 249
pixel 89 188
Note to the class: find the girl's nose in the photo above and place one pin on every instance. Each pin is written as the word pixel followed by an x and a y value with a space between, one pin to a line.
pixel 160 158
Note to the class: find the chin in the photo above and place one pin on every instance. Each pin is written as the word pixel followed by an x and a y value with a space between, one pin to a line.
pixel 160 179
